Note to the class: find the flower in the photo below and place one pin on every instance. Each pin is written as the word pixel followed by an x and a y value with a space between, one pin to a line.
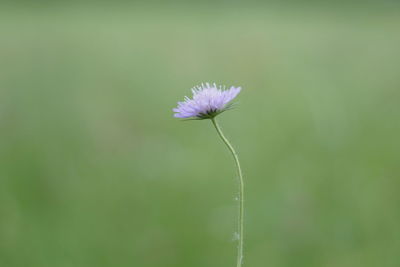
pixel 208 101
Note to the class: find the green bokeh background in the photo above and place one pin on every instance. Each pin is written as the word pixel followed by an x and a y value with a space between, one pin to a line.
pixel 95 171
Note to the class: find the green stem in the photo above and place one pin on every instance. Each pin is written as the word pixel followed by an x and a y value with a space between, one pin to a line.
pixel 241 193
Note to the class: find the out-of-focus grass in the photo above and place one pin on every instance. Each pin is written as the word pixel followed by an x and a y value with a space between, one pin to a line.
pixel 94 171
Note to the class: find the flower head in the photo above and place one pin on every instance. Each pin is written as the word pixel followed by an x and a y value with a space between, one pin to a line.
pixel 208 101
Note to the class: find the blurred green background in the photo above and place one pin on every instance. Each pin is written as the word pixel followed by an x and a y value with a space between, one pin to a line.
pixel 95 171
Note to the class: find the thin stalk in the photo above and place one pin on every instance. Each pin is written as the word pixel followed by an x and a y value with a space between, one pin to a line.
pixel 241 193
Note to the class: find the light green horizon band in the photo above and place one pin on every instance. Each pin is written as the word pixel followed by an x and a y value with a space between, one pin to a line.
pixel 241 193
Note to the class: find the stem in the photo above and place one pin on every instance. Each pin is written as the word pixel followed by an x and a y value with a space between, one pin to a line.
pixel 241 193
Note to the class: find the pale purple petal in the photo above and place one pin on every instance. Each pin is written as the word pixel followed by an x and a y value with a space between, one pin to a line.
pixel 207 99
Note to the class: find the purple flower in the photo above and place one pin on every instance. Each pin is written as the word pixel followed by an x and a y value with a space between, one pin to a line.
pixel 208 101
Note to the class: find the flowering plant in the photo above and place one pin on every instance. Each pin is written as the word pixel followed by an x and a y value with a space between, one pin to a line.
pixel 209 101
